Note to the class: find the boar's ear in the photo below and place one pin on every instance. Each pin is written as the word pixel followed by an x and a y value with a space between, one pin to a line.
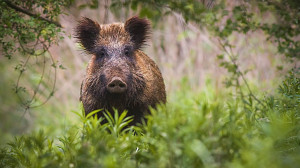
pixel 138 30
pixel 87 33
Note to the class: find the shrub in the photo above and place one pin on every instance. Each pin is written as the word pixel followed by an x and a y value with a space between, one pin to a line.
pixel 195 129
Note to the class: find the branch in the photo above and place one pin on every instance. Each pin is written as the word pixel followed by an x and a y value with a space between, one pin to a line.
pixel 239 72
pixel 17 8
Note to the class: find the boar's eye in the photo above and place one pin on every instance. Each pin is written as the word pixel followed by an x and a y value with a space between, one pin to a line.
pixel 101 53
pixel 127 51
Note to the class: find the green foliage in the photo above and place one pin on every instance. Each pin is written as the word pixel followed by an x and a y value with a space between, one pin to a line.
pixel 223 20
pixel 27 30
pixel 24 34
pixel 195 129
pixel 290 87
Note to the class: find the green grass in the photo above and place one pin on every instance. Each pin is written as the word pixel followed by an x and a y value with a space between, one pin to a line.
pixel 194 129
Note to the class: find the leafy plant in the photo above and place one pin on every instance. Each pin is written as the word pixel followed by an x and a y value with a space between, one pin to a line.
pixel 27 30
pixel 195 129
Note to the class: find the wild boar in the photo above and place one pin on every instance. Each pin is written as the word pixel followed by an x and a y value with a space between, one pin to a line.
pixel 119 75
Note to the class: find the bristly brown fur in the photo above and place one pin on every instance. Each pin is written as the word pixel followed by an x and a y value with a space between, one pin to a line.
pixel 113 34
pixel 87 32
pixel 115 50
pixel 139 30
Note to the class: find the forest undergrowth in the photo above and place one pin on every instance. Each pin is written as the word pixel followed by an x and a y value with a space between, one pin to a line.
pixel 194 129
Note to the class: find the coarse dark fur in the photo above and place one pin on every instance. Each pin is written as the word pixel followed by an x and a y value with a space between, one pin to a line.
pixel 116 53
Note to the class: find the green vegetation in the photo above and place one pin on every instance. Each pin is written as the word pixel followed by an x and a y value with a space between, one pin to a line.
pixel 237 125
pixel 27 30
pixel 195 129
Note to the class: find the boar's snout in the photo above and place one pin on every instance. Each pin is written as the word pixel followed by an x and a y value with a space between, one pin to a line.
pixel 116 85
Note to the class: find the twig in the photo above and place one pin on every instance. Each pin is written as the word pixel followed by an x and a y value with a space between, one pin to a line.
pixel 40 81
pixel 240 73
pixel 54 83
pixel 17 8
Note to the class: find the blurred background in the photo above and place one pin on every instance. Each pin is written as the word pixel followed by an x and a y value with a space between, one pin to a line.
pixel 185 53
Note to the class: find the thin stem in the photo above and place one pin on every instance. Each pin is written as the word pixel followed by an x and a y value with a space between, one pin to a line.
pixel 231 57
pixel 54 84
pixel 40 81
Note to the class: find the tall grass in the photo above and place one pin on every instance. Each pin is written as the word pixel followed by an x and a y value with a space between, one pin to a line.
pixel 194 129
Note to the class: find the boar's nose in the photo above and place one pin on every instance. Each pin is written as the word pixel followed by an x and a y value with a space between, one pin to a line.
pixel 117 85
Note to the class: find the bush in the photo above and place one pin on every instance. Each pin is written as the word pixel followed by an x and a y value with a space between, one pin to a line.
pixel 195 129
